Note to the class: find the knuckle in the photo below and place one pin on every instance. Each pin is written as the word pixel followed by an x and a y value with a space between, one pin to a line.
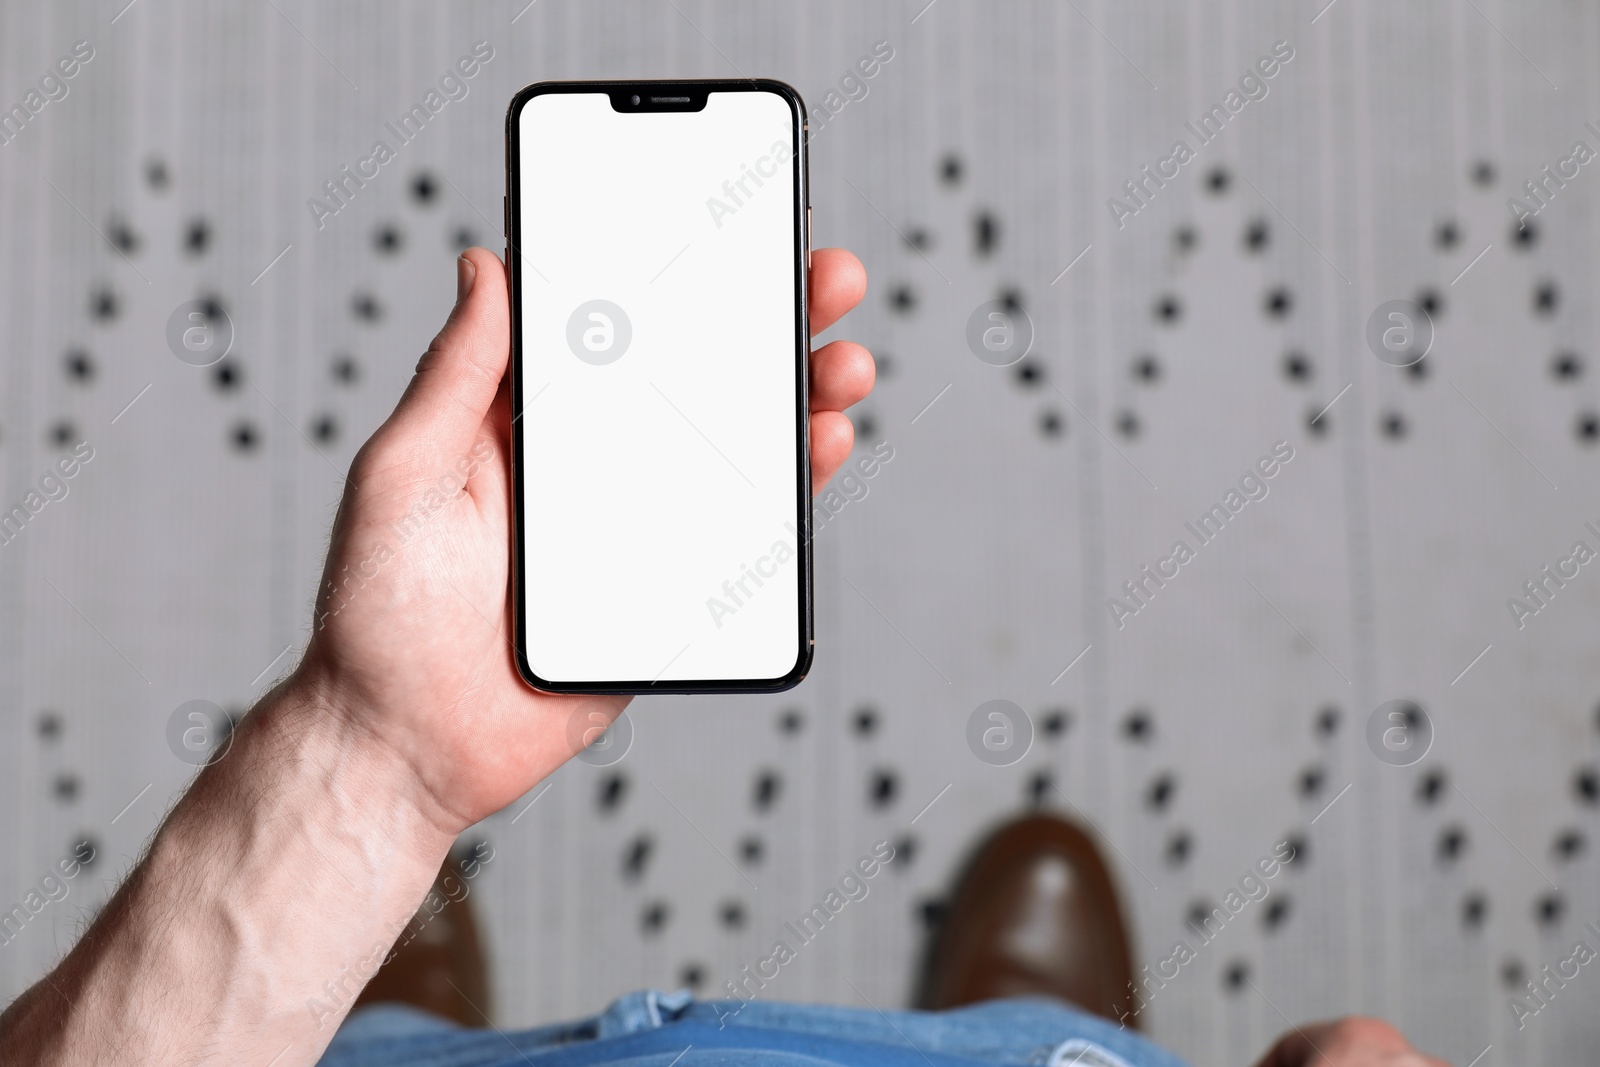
pixel 1370 1030
pixel 372 458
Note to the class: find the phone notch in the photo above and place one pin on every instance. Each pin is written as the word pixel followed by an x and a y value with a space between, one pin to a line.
pixel 647 99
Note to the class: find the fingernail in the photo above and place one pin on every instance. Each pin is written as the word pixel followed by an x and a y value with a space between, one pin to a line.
pixel 465 274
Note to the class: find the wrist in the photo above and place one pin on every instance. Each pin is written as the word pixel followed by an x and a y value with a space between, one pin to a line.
pixel 356 742
pixel 264 904
pixel 304 757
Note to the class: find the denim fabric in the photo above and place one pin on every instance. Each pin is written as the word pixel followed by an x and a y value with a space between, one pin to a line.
pixel 652 1029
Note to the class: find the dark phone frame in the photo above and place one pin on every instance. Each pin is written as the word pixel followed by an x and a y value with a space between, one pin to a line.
pixel 657 96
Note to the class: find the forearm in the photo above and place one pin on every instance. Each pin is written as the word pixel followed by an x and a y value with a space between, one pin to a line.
pixel 267 899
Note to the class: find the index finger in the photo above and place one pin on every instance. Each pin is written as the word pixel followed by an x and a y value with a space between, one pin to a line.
pixel 838 282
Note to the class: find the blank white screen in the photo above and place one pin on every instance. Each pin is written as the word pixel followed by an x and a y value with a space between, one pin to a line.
pixel 660 490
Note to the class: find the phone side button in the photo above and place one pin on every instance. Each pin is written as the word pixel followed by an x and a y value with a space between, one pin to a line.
pixel 809 241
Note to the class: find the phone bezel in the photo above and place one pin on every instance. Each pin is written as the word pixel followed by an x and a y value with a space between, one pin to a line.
pixel 696 90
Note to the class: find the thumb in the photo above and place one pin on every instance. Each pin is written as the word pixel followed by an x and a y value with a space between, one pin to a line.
pixel 457 378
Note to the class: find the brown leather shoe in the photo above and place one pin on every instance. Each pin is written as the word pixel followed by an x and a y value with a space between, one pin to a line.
pixel 1034 913
pixel 438 963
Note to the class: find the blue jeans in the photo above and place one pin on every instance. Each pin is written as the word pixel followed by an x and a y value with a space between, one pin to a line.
pixel 652 1029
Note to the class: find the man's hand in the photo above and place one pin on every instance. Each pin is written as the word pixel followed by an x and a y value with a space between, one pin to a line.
pixel 278 883
pixel 1352 1042
pixel 413 636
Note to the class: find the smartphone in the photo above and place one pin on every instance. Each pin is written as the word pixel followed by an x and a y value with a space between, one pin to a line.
pixel 658 246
